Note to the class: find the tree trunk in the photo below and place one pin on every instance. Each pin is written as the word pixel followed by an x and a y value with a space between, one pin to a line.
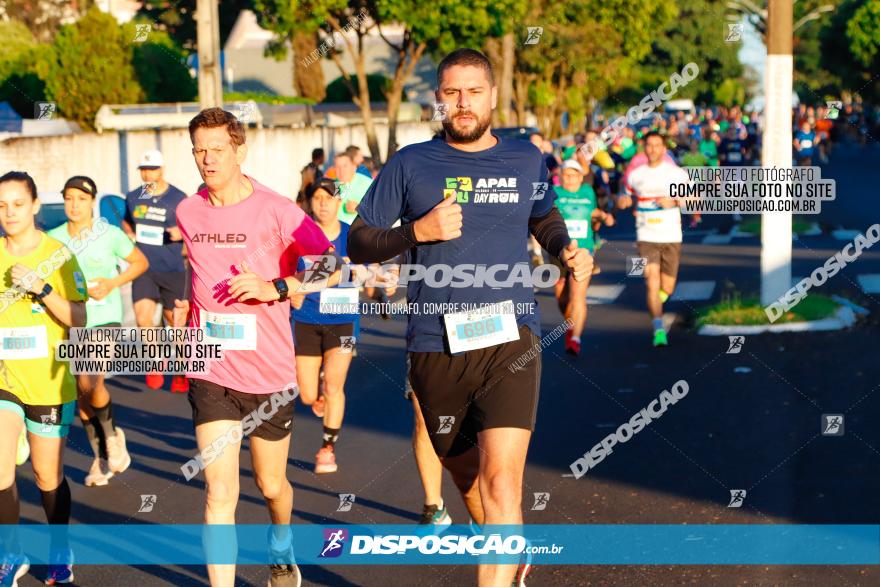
pixel 521 87
pixel 308 79
pixel 492 49
pixel 408 55
pixel 366 109
pixel 505 84
pixel 559 106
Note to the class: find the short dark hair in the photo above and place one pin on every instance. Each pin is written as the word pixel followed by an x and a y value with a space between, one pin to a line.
pixel 466 57
pixel 352 150
pixel 317 154
pixel 23 177
pixel 654 133
pixel 214 117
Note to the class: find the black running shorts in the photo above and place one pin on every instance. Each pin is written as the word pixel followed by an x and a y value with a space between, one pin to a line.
pixel 313 340
pixel 159 286
pixel 461 395
pixel 273 416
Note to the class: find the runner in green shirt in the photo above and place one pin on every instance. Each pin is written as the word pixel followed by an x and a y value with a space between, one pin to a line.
pixel 98 261
pixel 577 204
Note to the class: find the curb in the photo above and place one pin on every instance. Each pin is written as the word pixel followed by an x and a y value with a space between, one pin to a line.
pixel 844 317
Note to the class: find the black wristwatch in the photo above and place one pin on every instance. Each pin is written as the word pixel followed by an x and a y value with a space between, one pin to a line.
pixel 281 288
pixel 47 289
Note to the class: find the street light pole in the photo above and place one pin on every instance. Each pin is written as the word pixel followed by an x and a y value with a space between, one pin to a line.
pixel 776 226
pixel 208 36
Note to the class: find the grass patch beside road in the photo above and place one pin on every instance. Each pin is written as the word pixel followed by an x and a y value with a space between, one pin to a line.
pixel 750 312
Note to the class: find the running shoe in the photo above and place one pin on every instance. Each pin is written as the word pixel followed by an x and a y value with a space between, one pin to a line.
pixel 437 516
pixel 99 473
pixel 318 406
pixel 23 451
pixel 155 380
pixel 660 338
pixel 325 460
pixel 572 346
pixel 12 568
pixel 118 459
pixel 285 573
pixel 61 568
pixel 179 384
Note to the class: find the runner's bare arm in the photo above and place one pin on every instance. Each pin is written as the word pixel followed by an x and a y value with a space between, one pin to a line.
pixel 72 314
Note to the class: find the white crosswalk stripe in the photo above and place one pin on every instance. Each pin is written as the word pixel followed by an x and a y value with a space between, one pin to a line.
pixel 604 294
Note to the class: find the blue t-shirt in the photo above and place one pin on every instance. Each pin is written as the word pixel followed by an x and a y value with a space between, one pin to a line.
pixel 806 140
pixel 155 214
pixel 310 312
pixel 494 188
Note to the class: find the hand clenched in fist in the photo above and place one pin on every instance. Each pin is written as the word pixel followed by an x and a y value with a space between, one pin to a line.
pixel 443 223
pixel 578 261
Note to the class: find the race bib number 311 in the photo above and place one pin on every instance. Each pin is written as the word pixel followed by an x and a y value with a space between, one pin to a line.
pixel 233 332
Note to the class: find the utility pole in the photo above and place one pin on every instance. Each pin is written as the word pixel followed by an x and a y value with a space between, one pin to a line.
pixel 208 36
pixel 776 226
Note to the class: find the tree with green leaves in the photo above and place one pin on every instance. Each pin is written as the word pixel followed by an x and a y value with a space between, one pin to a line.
pixel 697 35
pixel 177 18
pixel 90 64
pixel 160 67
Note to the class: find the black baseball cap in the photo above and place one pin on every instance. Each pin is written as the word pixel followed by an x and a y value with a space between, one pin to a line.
pixel 82 183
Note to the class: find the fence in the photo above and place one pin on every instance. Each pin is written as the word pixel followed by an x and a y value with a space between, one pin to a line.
pixel 275 155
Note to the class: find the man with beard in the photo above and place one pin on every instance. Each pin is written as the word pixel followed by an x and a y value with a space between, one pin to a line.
pixel 471 198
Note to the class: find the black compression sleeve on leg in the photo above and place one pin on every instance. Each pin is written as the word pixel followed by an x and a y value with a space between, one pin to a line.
pixel 550 231
pixel 9 505
pixel 56 503
pixel 368 244
pixel 105 417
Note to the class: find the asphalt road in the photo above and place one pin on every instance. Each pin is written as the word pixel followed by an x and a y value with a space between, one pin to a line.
pixel 751 420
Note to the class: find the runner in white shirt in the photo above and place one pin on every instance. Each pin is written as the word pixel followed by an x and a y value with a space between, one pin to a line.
pixel 658 226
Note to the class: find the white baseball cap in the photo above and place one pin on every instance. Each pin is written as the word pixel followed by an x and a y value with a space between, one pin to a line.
pixel 152 159
pixel 572 164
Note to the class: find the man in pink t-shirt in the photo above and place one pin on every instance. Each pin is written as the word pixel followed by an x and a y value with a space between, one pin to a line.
pixel 243 242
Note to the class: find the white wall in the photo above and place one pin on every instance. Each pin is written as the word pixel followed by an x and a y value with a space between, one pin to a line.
pixel 275 156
